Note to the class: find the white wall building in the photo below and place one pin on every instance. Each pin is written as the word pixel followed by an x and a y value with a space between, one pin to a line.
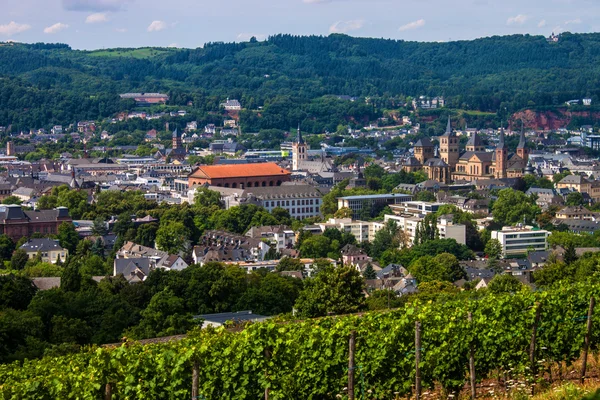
pixel 517 240
pixel 446 227
pixel 363 231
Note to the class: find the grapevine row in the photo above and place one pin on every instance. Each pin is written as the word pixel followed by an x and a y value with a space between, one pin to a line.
pixel 309 359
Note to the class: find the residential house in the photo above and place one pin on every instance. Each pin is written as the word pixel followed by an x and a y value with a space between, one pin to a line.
pixel 231 105
pixel 49 249
pixel 282 237
pixel 352 255
pixel 238 317
pixel 577 213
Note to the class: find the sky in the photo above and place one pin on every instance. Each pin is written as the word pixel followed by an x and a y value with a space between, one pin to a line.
pixel 97 24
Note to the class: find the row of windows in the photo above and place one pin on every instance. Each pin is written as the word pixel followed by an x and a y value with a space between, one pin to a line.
pixel 526 235
pixel 526 246
pixel 286 203
pixel 509 242
pixel 250 184
pixel 303 210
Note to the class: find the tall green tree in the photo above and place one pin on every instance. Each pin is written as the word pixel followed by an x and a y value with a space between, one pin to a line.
pixel 333 290
pixel 443 267
pixel 493 249
pixel 68 237
pixel 19 259
pixel 164 316
pixel 172 237
pixel 513 207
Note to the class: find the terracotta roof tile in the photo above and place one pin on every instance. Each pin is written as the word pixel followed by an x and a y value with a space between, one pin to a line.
pixel 238 171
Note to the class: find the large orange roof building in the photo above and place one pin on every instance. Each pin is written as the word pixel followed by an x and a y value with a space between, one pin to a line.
pixel 239 175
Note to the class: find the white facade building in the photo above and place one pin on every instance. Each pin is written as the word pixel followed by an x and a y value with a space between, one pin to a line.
pixel 446 227
pixel 518 240
pixel 363 231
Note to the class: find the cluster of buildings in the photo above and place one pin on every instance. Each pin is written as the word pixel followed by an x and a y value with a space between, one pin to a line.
pixel 296 178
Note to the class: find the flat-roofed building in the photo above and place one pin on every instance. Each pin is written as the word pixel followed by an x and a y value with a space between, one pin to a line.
pixel 146 98
pixel 518 240
pixel 373 201
pixel 242 176
pixel 416 207
pixel 363 231
pixel 445 225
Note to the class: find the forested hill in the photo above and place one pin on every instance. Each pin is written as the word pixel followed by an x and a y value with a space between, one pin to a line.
pixel 42 82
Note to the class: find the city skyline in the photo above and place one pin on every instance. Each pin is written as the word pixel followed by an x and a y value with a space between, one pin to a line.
pixel 96 24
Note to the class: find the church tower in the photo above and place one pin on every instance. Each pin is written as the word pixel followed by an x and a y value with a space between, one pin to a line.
pixel 522 150
pixel 475 144
pixel 298 151
pixel 176 141
pixel 423 150
pixel 449 147
pixel 501 157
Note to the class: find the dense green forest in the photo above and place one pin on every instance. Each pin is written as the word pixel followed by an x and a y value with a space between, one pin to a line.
pixel 294 78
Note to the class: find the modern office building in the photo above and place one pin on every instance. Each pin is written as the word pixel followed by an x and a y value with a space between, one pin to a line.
pixel 518 240
pixel 357 203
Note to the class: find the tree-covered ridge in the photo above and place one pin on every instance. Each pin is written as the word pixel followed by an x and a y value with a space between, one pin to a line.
pixel 486 74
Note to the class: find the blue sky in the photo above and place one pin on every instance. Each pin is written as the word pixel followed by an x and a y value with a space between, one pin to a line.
pixel 96 24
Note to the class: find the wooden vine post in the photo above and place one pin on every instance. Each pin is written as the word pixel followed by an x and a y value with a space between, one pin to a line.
pixel 588 337
pixel 351 364
pixel 195 380
pixel 472 361
pixel 267 358
pixel 108 391
pixel 536 321
pixel 417 360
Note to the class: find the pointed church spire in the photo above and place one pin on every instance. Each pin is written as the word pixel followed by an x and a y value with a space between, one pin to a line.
pixel 522 141
pixel 501 144
pixel 299 139
pixel 449 126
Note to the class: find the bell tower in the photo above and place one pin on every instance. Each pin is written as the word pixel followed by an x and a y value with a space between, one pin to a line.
pixel 449 147
pixel 522 150
pixel 298 151
pixel 501 157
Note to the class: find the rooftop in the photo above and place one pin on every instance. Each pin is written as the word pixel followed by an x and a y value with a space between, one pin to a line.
pixel 239 171
pixel 378 196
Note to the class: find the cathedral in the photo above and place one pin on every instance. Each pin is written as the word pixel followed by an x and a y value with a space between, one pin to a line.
pixel 474 163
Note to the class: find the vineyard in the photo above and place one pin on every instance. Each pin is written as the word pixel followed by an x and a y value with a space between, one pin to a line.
pixel 515 335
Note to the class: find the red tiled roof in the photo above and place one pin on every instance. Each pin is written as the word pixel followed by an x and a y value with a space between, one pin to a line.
pixel 238 171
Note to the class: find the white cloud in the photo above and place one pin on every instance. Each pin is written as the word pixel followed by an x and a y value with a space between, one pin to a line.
pixel 121 30
pixel 96 18
pixel 517 20
pixel 576 21
pixel 542 23
pixel 412 25
pixel 346 26
pixel 12 28
pixel 244 37
pixel 157 26
pixel 56 28
pixel 95 5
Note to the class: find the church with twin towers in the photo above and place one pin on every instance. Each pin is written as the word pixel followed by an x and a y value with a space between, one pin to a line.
pixel 472 164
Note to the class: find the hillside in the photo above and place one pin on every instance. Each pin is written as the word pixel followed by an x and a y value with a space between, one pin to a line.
pixel 309 359
pixel 44 83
